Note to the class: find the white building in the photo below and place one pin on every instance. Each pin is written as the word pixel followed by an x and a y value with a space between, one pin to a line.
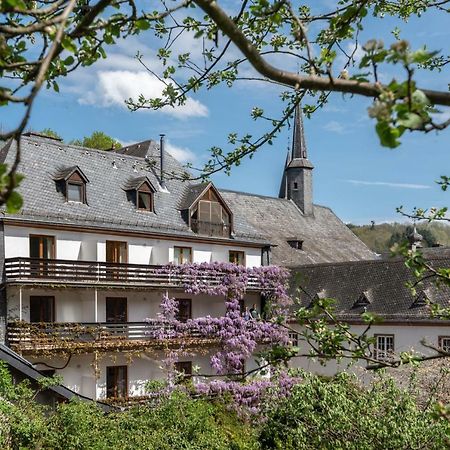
pixel 82 258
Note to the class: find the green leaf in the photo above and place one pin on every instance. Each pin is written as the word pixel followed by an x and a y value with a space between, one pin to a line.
pixel 14 203
pixel 68 44
pixel 142 24
pixel 388 135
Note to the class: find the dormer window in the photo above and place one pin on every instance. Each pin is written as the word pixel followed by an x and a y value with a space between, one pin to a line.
pixel 295 243
pixel 72 183
pixel 208 214
pixel 145 198
pixel 140 191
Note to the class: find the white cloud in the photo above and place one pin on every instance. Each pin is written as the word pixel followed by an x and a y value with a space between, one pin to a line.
pixel 388 184
pixel 182 154
pixel 336 127
pixel 113 87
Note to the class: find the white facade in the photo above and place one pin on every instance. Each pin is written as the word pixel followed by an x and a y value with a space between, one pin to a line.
pixel 407 337
pixel 85 246
pixel 85 373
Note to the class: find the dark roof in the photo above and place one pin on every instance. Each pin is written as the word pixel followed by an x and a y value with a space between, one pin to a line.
pixel 64 173
pixel 137 182
pixel 377 286
pixel 257 220
pixel 191 194
pixel 325 238
pixel 108 206
pixel 23 366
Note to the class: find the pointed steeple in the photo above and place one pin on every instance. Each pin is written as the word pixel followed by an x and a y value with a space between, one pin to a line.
pixel 296 183
pixel 298 142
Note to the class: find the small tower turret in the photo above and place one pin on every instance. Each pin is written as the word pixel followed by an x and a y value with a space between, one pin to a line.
pixel 296 184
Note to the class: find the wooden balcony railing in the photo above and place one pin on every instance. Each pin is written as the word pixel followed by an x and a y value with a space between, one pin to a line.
pixel 30 338
pixel 210 228
pixel 42 271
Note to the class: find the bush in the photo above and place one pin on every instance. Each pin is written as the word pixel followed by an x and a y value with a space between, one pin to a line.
pixel 340 414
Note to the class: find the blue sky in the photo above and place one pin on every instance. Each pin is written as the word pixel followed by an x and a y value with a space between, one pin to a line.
pixel 353 175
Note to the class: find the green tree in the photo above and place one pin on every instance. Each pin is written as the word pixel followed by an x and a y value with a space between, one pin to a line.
pixel 98 140
pixel 51 133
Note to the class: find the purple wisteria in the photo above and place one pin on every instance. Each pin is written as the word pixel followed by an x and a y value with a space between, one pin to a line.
pixel 236 337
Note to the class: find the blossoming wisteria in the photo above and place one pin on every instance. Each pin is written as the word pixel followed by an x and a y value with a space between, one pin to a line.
pixel 236 338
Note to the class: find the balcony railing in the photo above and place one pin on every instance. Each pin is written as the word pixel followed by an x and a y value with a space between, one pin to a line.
pixel 29 338
pixel 210 228
pixel 42 271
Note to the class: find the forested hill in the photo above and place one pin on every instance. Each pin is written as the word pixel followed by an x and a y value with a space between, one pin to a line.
pixel 381 237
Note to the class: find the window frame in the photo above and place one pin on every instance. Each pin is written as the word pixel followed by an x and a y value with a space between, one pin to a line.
pixel 176 261
pixel 76 180
pixel 386 354
pixel 116 370
pixel 145 189
pixel 42 299
pixel 51 238
pixel 186 301
pixel 240 253
pixel 440 339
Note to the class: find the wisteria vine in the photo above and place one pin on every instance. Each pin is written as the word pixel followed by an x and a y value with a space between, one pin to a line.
pixel 237 337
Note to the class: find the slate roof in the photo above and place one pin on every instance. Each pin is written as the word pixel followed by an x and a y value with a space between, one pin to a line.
pixel 325 238
pixel 107 203
pixel 257 220
pixel 374 286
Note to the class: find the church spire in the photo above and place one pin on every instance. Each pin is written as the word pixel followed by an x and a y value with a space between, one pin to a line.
pixel 296 183
pixel 298 141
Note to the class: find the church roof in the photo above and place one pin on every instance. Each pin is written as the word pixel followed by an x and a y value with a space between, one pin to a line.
pixel 377 286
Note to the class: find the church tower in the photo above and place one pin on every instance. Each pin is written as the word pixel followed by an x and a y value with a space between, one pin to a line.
pixel 296 184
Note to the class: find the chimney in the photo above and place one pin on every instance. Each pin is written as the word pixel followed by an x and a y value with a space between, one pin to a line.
pixel 161 149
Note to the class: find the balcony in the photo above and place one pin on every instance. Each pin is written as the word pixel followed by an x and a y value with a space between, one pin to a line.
pixel 85 273
pixel 210 228
pixel 34 338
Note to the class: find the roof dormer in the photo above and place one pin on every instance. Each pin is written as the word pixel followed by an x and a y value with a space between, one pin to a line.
pixel 71 181
pixel 206 211
pixel 141 192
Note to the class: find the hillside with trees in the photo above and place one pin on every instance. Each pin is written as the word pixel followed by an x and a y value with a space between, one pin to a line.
pixel 381 237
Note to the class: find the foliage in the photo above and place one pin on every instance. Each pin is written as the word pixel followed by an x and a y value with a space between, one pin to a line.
pixel 381 237
pixel 339 413
pixel 98 140
pixel 51 133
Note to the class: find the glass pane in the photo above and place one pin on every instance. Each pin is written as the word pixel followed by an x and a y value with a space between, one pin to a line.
pixel 216 213
pixel 34 247
pixel 144 201
pixel 204 211
pixel 74 192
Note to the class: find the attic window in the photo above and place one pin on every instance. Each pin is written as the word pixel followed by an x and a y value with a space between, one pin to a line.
pixel 140 192
pixel 144 200
pixel 210 216
pixel 296 243
pixel 362 300
pixel 72 183
pixel 421 300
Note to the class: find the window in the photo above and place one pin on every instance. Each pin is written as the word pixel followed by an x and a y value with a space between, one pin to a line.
pixel 42 309
pixel 236 257
pixel 144 200
pixel 296 243
pixel 211 217
pixel 293 337
pixel 116 381
pixel 42 247
pixel 116 309
pixel 384 346
pixel 444 343
pixel 184 309
pixel 184 368
pixel 76 188
pixel 182 255
pixel 295 185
